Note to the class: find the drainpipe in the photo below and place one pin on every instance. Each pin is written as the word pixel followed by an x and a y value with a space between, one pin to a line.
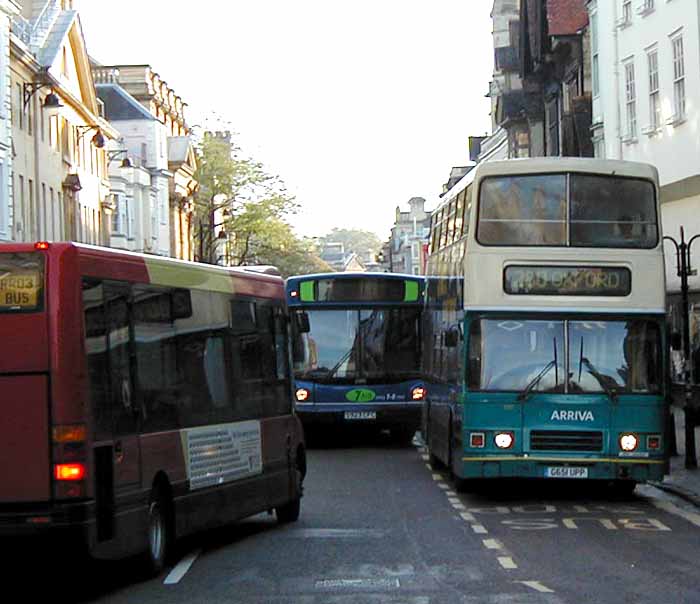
pixel 616 72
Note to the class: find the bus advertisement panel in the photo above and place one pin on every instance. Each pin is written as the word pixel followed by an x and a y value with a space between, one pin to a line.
pixel 563 328
pixel 145 398
pixel 356 351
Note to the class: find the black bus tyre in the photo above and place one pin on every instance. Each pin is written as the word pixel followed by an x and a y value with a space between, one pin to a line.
pixel 624 487
pixel 289 512
pixel 158 533
pixel 402 436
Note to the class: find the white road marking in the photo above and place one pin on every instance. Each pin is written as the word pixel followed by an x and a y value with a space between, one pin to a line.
pixel 443 486
pixel 425 457
pixel 468 517
pixel 671 508
pixel 453 500
pixel 507 562
pixel 492 544
pixel 479 529
pixel 437 476
pixel 180 570
pixel 537 586
pixel 458 506
pixel 450 493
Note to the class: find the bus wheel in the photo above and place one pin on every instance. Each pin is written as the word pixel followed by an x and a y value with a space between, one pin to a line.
pixel 158 533
pixel 624 487
pixel 402 436
pixel 289 512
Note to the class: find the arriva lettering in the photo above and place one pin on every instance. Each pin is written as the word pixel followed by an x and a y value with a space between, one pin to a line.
pixel 572 416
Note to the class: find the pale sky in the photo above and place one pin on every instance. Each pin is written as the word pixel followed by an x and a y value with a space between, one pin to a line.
pixel 357 106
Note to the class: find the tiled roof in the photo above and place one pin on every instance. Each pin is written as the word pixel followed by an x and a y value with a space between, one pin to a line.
pixel 566 17
pixel 120 105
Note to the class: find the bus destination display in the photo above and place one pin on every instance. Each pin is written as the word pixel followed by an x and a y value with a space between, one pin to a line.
pixel 359 290
pixel 567 281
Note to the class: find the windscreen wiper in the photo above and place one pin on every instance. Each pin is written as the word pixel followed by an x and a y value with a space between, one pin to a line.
pixel 523 396
pixel 590 368
pixel 600 378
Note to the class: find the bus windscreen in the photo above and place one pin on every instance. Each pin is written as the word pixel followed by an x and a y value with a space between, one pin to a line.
pixel 21 282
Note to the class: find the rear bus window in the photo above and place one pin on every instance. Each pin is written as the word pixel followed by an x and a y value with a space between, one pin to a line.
pixel 21 282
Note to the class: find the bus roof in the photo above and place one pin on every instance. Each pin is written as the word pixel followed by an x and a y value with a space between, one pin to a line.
pixel 109 263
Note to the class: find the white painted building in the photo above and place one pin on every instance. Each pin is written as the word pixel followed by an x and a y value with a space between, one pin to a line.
pixel 646 87
pixel 8 9
pixel 645 58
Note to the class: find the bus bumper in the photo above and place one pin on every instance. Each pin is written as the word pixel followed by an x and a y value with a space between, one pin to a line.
pixel 595 469
pixel 74 522
pixel 389 416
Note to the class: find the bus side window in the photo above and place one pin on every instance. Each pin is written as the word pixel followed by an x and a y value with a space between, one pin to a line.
pixel 96 356
pixel 121 387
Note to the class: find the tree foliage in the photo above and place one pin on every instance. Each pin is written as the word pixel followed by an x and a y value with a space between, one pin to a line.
pixel 241 212
pixel 354 240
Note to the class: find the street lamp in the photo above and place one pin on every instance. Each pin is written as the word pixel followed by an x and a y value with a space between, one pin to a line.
pixel 684 270
pixel 98 140
pixel 112 155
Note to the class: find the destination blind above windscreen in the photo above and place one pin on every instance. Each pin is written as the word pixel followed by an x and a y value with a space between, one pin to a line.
pixel 359 290
pixel 567 281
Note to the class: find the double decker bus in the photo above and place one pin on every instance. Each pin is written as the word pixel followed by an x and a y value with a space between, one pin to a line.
pixel 144 398
pixel 558 349
pixel 357 350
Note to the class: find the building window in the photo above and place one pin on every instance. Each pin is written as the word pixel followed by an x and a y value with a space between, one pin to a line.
pixel 520 142
pixel 553 127
pixel 654 97
pixel 20 107
pixel 630 101
pixel 626 12
pixel 678 79
pixel 594 53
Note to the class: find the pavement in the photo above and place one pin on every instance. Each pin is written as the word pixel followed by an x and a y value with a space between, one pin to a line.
pixel 683 482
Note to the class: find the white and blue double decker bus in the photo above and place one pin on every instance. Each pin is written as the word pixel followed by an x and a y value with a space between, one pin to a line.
pixel 357 350
pixel 557 344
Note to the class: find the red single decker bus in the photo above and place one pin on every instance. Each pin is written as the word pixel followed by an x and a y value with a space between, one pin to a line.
pixel 143 399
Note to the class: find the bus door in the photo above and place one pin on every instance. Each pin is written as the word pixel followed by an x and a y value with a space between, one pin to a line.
pixel 126 454
pixel 108 348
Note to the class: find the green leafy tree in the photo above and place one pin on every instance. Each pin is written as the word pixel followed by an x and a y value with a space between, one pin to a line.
pixel 354 240
pixel 241 212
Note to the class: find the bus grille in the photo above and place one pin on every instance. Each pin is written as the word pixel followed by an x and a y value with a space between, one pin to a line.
pixel 560 440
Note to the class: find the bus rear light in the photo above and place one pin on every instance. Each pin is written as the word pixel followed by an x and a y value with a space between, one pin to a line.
pixel 294 294
pixel 69 433
pixel 302 394
pixel 477 440
pixel 418 393
pixel 504 440
pixel 41 246
pixel 69 472
pixel 653 442
pixel 628 442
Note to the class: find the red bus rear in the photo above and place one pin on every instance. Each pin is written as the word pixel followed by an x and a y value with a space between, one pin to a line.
pixel 144 398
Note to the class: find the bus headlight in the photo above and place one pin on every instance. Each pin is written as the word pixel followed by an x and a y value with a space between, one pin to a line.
pixel 628 442
pixel 302 395
pixel 418 393
pixel 504 440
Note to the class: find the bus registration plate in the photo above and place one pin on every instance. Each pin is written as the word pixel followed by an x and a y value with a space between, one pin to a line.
pixel 361 415
pixel 566 472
